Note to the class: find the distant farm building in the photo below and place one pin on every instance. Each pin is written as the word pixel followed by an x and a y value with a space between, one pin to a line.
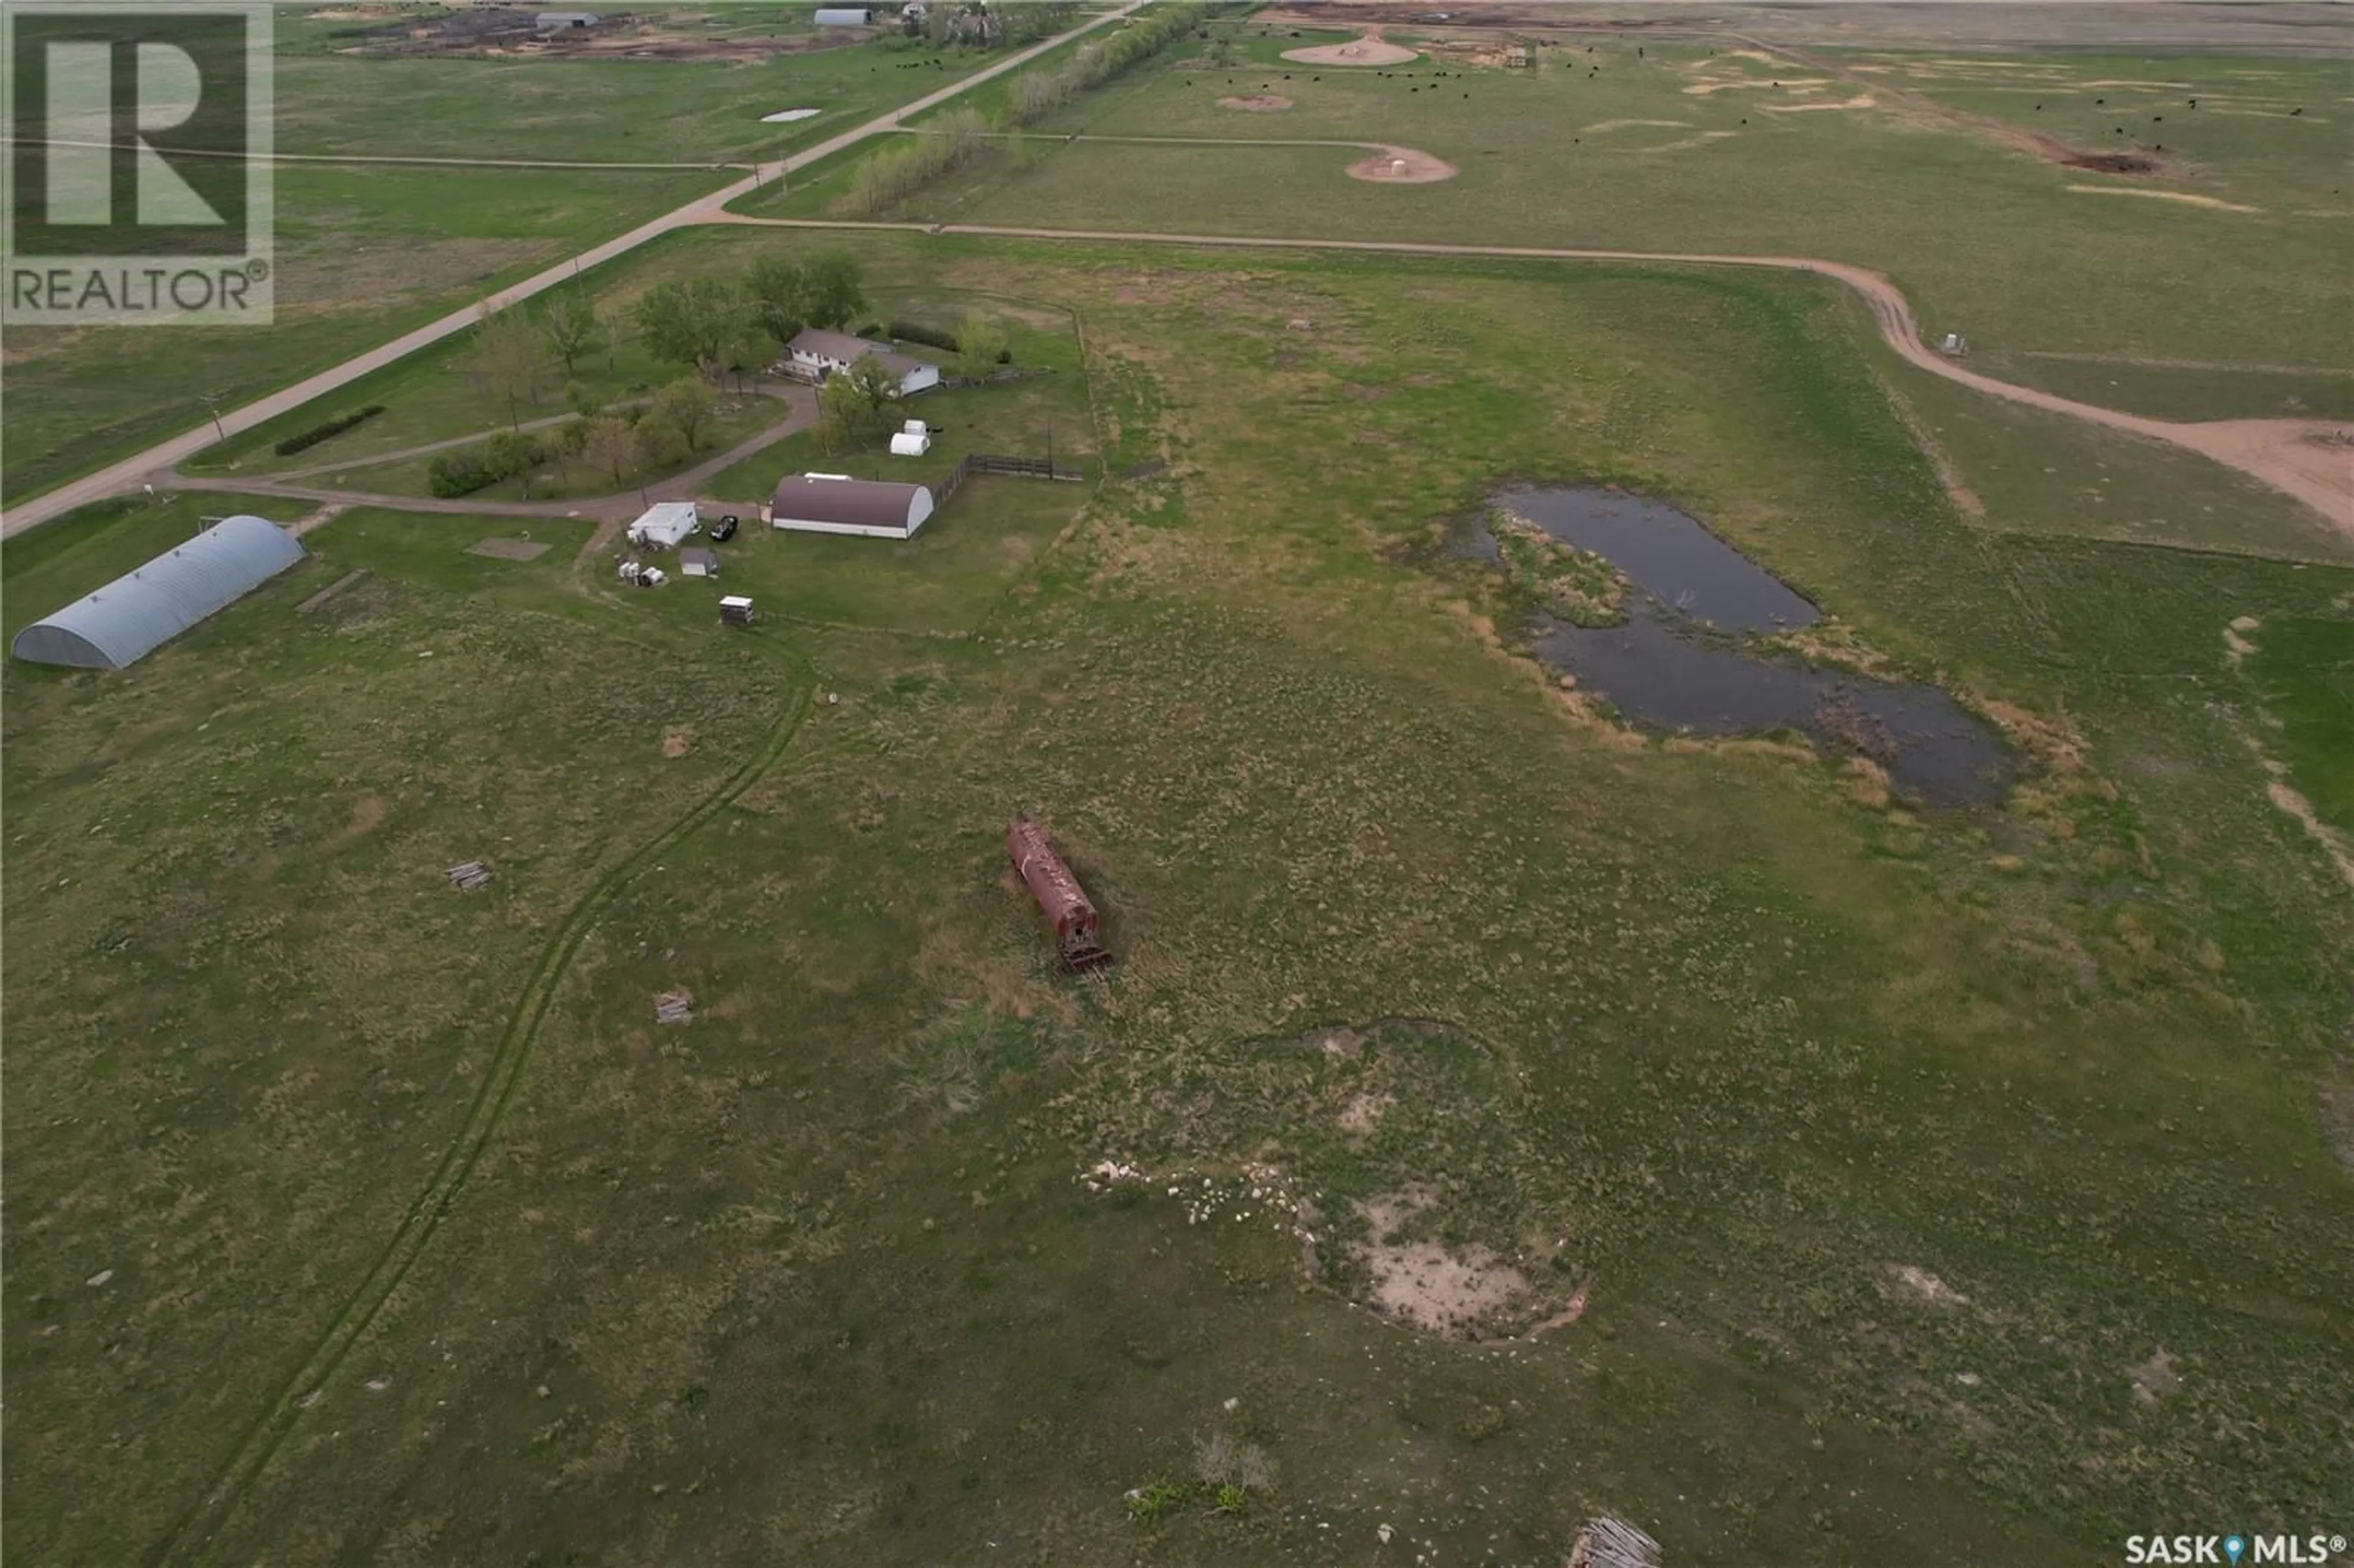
pixel 665 524
pixel 129 617
pixel 557 21
pixel 845 15
pixel 818 354
pixel 837 503
pixel 913 439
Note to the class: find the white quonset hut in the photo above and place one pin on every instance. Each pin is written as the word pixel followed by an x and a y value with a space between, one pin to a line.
pixel 129 617
pixel 913 439
pixel 844 16
pixel 837 503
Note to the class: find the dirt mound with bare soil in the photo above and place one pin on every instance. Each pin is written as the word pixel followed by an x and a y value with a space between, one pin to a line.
pixel 1402 166
pixel 2111 163
pixel 1369 50
pixel 1255 102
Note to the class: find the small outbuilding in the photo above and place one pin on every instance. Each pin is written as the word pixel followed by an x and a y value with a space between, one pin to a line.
pixel 845 15
pixel 562 21
pixel 665 524
pixel 132 616
pixel 736 610
pixel 696 562
pixel 837 503
pixel 913 439
pixel 818 354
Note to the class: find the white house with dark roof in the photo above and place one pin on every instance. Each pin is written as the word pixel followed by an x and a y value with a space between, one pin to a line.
pixel 818 354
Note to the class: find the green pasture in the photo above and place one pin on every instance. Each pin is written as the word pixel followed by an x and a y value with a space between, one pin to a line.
pixel 1733 1052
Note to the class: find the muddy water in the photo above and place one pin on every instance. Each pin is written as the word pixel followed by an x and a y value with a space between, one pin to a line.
pixel 1671 666
pixel 1667 555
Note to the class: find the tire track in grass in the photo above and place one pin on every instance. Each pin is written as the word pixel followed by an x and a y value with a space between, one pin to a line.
pixel 193 1539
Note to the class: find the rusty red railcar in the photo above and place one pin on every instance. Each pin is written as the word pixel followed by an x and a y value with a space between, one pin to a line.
pixel 1058 893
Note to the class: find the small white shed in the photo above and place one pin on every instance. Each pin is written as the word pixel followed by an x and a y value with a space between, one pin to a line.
pixel 913 439
pixel 696 562
pixel 845 15
pixel 664 524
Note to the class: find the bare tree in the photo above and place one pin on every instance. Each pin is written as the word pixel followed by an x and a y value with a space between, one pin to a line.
pixel 506 361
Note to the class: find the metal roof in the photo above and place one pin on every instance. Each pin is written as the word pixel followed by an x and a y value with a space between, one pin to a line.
pixel 123 621
pixel 866 502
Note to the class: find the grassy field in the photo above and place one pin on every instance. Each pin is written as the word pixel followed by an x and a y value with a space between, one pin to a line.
pixel 366 252
pixel 597 111
pixel 1686 150
pixel 363 256
pixel 1708 1031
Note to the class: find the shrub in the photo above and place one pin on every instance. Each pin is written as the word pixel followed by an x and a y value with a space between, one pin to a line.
pixel 305 439
pixel 504 456
pixel 917 332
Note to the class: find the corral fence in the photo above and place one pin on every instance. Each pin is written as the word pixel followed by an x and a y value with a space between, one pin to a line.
pixel 993 462
pixel 1010 373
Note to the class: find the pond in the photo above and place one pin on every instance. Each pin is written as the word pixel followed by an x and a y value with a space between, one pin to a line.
pixel 1685 659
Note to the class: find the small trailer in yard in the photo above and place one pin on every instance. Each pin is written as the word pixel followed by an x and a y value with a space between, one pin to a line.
pixel 1058 893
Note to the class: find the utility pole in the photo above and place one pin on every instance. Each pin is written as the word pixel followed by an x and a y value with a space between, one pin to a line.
pixel 212 407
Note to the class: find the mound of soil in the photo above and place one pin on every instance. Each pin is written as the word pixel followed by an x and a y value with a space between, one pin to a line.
pixel 2113 163
pixel 1402 166
pixel 1255 102
pixel 1368 50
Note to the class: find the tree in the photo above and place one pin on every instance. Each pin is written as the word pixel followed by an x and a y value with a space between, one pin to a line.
pixel 506 362
pixel 978 342
pixel 573 328
pixel 833 295
pixel 779 289
pixel 692 322
pixel 610 446
pixel 511 453
pixel 854 405
pixel 660 443
pixel 685 405
pixel 582 400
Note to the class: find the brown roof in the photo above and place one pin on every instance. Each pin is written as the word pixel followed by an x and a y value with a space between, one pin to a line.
pixel 867 503
pixel 842 345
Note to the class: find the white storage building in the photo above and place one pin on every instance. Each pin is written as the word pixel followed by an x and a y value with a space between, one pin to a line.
pixel 665 524
pixel 837 503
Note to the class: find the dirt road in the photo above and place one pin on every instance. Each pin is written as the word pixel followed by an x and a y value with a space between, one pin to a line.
pixel 128 475
pixel 2300 458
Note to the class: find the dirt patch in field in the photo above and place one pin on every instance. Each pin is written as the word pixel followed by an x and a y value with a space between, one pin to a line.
pixel 1257 102
pixel 678 742
pixel 368 815
pixel 1402 166
pixel 2102 162
pixel 1917 1283
pixel 2156 1378
pixel 2214 203
pixel 1369 50
pixel 508 549
pixel 2306 458
pixel 1362 1115
pixel 1600 126
pixel 1426 1285
pixel 1860 101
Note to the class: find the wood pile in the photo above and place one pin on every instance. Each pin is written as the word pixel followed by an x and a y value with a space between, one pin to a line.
pixel 1607 1542
pixel 469 877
